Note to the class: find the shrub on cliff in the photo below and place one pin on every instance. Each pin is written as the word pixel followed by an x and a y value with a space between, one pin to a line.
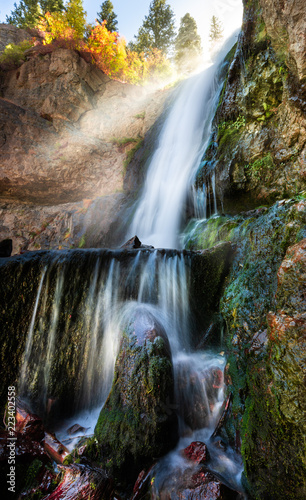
pixel 107 49
pixel 14 54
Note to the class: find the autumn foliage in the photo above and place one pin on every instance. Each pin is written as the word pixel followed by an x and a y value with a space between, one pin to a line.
pixel 107 50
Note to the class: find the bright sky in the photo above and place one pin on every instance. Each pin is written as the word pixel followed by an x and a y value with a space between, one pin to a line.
pixel 131 13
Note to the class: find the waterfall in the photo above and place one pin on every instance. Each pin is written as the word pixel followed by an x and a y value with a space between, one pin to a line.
pixel 77 323
pixel 29 342
pixel 182 142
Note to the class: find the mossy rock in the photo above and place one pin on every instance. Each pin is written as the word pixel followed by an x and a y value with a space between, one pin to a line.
pixel 209 269
pixel 137 425
pixel 267 380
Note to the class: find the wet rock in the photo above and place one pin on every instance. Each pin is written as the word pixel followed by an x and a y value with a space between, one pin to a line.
pixel 45 480
pixel 24 448
pixel 82 482
pixel 135 423
pixel 135 243
pixel 200 389
pixel 141 486
pixel 74 429
pixel 196 485
pixel 146 327
pixel 267 274
pixel 29 424
pixel 6 247
pixel 276 389
pixel 33 472
pixel 257 150
pixel 259 341
pixel 225 412
pixel 197 452
pixel 209 271
pixel 291 291
pixel 132 243
pixel 55 449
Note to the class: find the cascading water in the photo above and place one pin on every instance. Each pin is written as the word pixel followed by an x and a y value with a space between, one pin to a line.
pixel 148 285
pixel 182 142
pixel 198 375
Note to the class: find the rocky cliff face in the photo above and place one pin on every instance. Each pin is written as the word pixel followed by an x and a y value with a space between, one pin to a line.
pixel 11 34
pixel 258 155
pixel 258 145
pixel 65 132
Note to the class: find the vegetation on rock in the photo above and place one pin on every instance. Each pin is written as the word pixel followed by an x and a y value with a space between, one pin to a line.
pixel 266 350
pixel 261 160
pixel 135 423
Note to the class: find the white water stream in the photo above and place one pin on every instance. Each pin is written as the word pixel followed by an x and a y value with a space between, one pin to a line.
pixel 171 172
pixel 161 284
pixel 181 144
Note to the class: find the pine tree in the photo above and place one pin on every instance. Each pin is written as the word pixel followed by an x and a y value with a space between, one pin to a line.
pixel 76 17
pixel 216 30
pixel 26 14
pixel 187 44
pixel 107 14
pixel 51 6
pixel 157 30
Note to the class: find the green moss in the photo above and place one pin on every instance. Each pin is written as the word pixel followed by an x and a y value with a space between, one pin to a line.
pixel 134 425
pixel 15 53
pixel 205 234
pixel 265 384
pixel 130 155
pixel 140 115
pixel 82 241
pixel 124 141
pixel 260 169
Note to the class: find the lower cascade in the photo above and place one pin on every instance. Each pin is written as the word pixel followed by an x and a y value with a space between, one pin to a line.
pixel 173 365
pixel 113 356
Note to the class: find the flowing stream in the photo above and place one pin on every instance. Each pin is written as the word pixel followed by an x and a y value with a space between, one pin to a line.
pixel 152 285
pixel 182 142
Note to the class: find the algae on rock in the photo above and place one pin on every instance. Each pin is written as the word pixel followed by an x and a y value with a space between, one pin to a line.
pixel 257 150
pixel 137 425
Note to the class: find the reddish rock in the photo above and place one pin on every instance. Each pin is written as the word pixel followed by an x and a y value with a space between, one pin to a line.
pixel 57 451
pixel 23 448
pixel 142 483
pixel 29 425
pixel 81 482
pixel 291 289
pixel 201 485
pixel 44 480
pixel 197 452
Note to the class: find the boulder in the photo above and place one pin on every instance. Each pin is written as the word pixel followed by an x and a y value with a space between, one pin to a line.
pixel 135 424
pixel 135 243
pixel 29 424
pixel 194 484
pixel 197 452
pixel 82 482
pixel 257 151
